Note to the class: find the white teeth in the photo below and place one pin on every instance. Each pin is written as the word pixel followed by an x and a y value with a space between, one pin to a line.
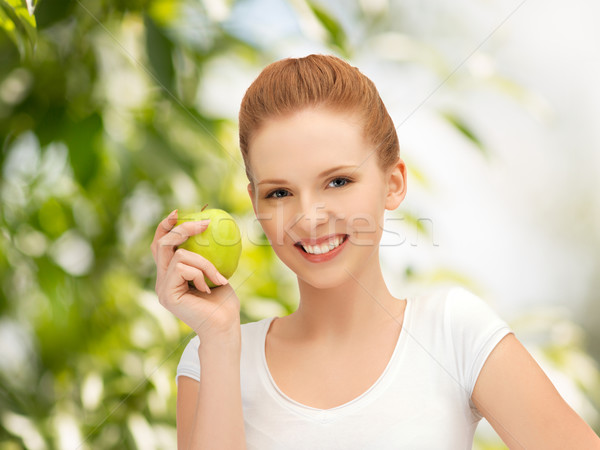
pixel 325 247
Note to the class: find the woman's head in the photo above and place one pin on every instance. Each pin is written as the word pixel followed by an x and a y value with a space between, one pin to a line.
pixel 321 155
pixel 291 85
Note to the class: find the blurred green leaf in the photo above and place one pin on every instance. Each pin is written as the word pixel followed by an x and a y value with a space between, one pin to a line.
pixel 418 223
pixel 159 49
pixel 83 141
pixel 466 130
pixel 335 31
pixel 19 24
pixel 8 25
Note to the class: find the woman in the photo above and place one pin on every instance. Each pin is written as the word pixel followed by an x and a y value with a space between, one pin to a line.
pixel 353 367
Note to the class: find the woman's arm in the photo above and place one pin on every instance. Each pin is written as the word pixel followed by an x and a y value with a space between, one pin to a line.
pixel 209 412
pixel 516 397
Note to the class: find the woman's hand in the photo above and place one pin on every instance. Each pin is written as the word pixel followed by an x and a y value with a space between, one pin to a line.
pixel 212 314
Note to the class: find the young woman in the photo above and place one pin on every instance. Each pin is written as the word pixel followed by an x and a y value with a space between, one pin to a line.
pixel 353 367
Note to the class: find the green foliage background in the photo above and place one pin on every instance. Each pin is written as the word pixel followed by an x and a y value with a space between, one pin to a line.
pixel 85 181
pixel 102 135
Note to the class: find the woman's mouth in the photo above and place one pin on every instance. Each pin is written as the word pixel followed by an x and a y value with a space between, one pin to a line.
pixel 323 251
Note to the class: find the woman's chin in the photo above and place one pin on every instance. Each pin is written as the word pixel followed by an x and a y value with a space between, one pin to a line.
pixel 324 281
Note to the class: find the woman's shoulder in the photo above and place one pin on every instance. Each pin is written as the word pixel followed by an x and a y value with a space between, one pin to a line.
pixel 430 295
pixel 453 305
pixel 458 328
pixel 248 328
pixel 445 296
pixel 255 329
pixel 256 325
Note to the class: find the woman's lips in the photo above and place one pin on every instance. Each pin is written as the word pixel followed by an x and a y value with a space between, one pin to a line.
pixel 323 256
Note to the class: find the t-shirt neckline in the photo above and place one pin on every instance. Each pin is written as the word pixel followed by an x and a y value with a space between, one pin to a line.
pixel 327 415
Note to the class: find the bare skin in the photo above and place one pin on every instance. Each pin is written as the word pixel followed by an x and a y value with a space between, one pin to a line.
pixel 314 372
pixel 514 394
pixel 209 412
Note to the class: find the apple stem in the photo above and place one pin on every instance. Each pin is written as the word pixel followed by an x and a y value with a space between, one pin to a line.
pixel 204 207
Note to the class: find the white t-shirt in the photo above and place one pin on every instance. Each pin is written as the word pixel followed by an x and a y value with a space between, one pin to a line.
pixel 422 400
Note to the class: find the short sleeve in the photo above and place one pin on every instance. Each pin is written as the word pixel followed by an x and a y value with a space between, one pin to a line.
pixel 189 364
pixel 476 330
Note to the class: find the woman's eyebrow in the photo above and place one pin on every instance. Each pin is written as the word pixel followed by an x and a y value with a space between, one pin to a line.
pixel 322 174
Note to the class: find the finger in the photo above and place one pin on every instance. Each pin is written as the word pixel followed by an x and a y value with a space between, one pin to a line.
pixel 185 273
pixel 177 236
pixel 200 262
pixel 183 231
pixel 162 229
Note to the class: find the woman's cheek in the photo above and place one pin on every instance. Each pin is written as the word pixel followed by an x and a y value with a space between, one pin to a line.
pixel 273 222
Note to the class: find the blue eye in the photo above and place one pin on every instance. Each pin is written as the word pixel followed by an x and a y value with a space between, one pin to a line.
pixel 344 181
pixel 337 182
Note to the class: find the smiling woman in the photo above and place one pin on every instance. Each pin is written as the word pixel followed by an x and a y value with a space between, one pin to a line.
pixel 353 367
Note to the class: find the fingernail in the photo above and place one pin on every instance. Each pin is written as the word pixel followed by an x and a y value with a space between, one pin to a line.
pixel 207 290
pixel 171 218
pixel 222 279
pixel 201 225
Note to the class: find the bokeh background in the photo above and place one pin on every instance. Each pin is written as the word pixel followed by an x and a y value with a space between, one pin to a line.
pixel 113 113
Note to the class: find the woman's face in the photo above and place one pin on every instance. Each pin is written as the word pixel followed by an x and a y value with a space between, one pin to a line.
pixel 318 183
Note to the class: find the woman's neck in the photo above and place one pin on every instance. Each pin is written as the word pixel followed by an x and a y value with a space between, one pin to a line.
pixel 360 304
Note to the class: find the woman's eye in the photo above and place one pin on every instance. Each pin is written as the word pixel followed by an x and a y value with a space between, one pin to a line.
pixel 340 181
pixel 336 183
pixel 276 192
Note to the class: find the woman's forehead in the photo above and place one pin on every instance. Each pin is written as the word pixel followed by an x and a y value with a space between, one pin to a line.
pixel 285 177
pixel 313 163
pixel 309 142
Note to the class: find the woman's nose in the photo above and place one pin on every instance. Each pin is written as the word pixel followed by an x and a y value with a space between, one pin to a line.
pixel 315 213
pixel 311 214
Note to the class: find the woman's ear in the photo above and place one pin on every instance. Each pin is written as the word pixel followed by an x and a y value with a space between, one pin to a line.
pixel 396 185
pixel 251 194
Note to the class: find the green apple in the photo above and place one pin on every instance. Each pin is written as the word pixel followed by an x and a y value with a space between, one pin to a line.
pixel 220 243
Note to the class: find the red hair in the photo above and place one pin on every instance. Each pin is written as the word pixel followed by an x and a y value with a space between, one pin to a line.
pixel 292 84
